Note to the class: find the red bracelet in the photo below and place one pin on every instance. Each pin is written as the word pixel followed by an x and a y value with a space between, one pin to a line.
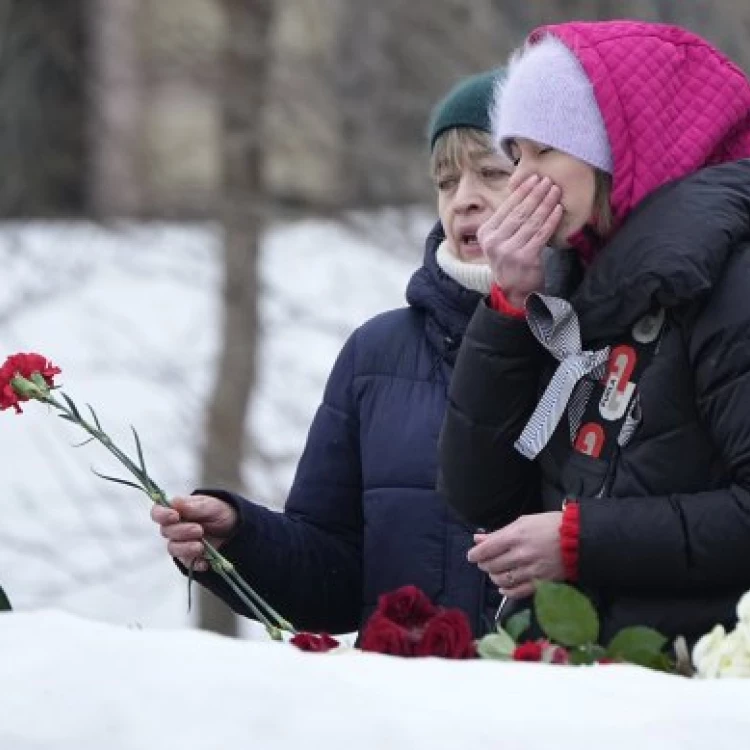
pixel 569 537
pixel 499 302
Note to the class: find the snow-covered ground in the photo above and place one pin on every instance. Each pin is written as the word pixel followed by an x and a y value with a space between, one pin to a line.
pixel 73 684
pixel 130 313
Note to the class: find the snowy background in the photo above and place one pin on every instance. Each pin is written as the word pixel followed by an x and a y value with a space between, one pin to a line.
pixel 95 654
pixel 130 313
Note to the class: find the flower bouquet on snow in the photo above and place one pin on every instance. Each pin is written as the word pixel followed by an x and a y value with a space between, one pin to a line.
pixel 31 377
pixel 571 628
pixel 405 623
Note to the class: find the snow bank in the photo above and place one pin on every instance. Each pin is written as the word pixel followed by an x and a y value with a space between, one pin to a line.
pixel 73 684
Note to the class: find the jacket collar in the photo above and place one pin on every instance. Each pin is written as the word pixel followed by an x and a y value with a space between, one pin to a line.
pixel 448 305
pixel 672 250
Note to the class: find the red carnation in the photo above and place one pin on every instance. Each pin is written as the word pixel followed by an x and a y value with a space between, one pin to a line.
pixel 384 636
pixel 320 642
pixel 408 607
pixel 448 635
pixel 529 651
pixel 23 366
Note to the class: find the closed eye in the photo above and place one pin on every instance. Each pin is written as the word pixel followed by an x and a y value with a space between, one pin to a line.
pixel 493 173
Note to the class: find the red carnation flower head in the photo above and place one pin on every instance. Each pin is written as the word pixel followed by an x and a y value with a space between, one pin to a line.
pixel 384 636
pixel 408 607
pixel 23 377
pixel 529 651
pixel 447 634
pixel 319 642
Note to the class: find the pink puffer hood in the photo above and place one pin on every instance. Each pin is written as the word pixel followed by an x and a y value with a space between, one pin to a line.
pixel 671 102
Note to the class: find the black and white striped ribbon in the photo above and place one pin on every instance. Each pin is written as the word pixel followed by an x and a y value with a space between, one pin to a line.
pixel 554 323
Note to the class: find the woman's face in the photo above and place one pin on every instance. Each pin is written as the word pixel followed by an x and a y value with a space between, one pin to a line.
pixel 575 178
pixel 469 192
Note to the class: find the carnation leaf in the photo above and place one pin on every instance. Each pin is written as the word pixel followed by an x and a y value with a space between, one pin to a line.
pixel 565 614
pixel 73 408
pixel 139 448
pixel 85 442
pixel 126 482
pixel 638 645
pixel 518 624
pixel 95 418
pixel 497 645
pixel 4 602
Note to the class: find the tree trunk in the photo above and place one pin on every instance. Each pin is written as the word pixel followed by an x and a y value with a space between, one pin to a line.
pixel 245 67
pixel 117 103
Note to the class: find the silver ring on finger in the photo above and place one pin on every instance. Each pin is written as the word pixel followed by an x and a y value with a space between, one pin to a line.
pixel 510 576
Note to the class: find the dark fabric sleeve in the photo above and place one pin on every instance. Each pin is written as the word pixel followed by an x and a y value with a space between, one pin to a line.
pixel 492 394
pixel 307 561
pixel 698 542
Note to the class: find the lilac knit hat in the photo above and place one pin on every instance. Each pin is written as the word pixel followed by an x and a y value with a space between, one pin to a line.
pixel 547 97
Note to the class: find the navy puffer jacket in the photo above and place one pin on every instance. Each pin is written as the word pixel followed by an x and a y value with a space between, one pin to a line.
pixel 363 516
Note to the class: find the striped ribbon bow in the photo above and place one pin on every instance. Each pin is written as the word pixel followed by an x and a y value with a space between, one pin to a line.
pixel 554 324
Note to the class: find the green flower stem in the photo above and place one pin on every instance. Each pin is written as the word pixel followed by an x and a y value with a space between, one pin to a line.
pixel 226 569
pixel 272 620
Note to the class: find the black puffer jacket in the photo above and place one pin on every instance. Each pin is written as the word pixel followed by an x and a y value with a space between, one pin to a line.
pixel 668 545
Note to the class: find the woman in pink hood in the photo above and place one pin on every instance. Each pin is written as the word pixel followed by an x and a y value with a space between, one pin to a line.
pixel 604 438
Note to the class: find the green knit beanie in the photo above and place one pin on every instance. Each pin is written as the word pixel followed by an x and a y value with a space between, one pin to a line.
pixel 466 105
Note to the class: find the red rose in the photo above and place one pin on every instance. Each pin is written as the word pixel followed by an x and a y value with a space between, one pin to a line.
pixel 314 642
pixel 552 654
pixel 407 606
pixel 23 365
pixel 529 651
pixel 447 634
pixel 383 636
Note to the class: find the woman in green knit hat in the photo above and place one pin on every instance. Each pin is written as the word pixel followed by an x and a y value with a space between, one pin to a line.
pixel 363 517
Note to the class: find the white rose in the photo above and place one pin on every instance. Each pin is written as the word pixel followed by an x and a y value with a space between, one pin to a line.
pixel 735 653
pixel 707 652
pixel 743 608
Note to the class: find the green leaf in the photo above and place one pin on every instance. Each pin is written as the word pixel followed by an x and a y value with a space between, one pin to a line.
pixel 496 646
pixel 85 442
pixel 140 451
pixel 73 407
pixel 126 482
pixel 518 624
pixel 663 663
pixel 565 614
pixel 638 645
pixel 4 602
pixel 95 418
pixel 581 656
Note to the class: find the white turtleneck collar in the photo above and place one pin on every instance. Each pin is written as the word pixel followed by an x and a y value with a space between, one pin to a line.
pixel 474 276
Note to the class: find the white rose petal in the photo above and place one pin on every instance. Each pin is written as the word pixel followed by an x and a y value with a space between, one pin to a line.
pixel 743 608
pixel 707 653
pixel 735 655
